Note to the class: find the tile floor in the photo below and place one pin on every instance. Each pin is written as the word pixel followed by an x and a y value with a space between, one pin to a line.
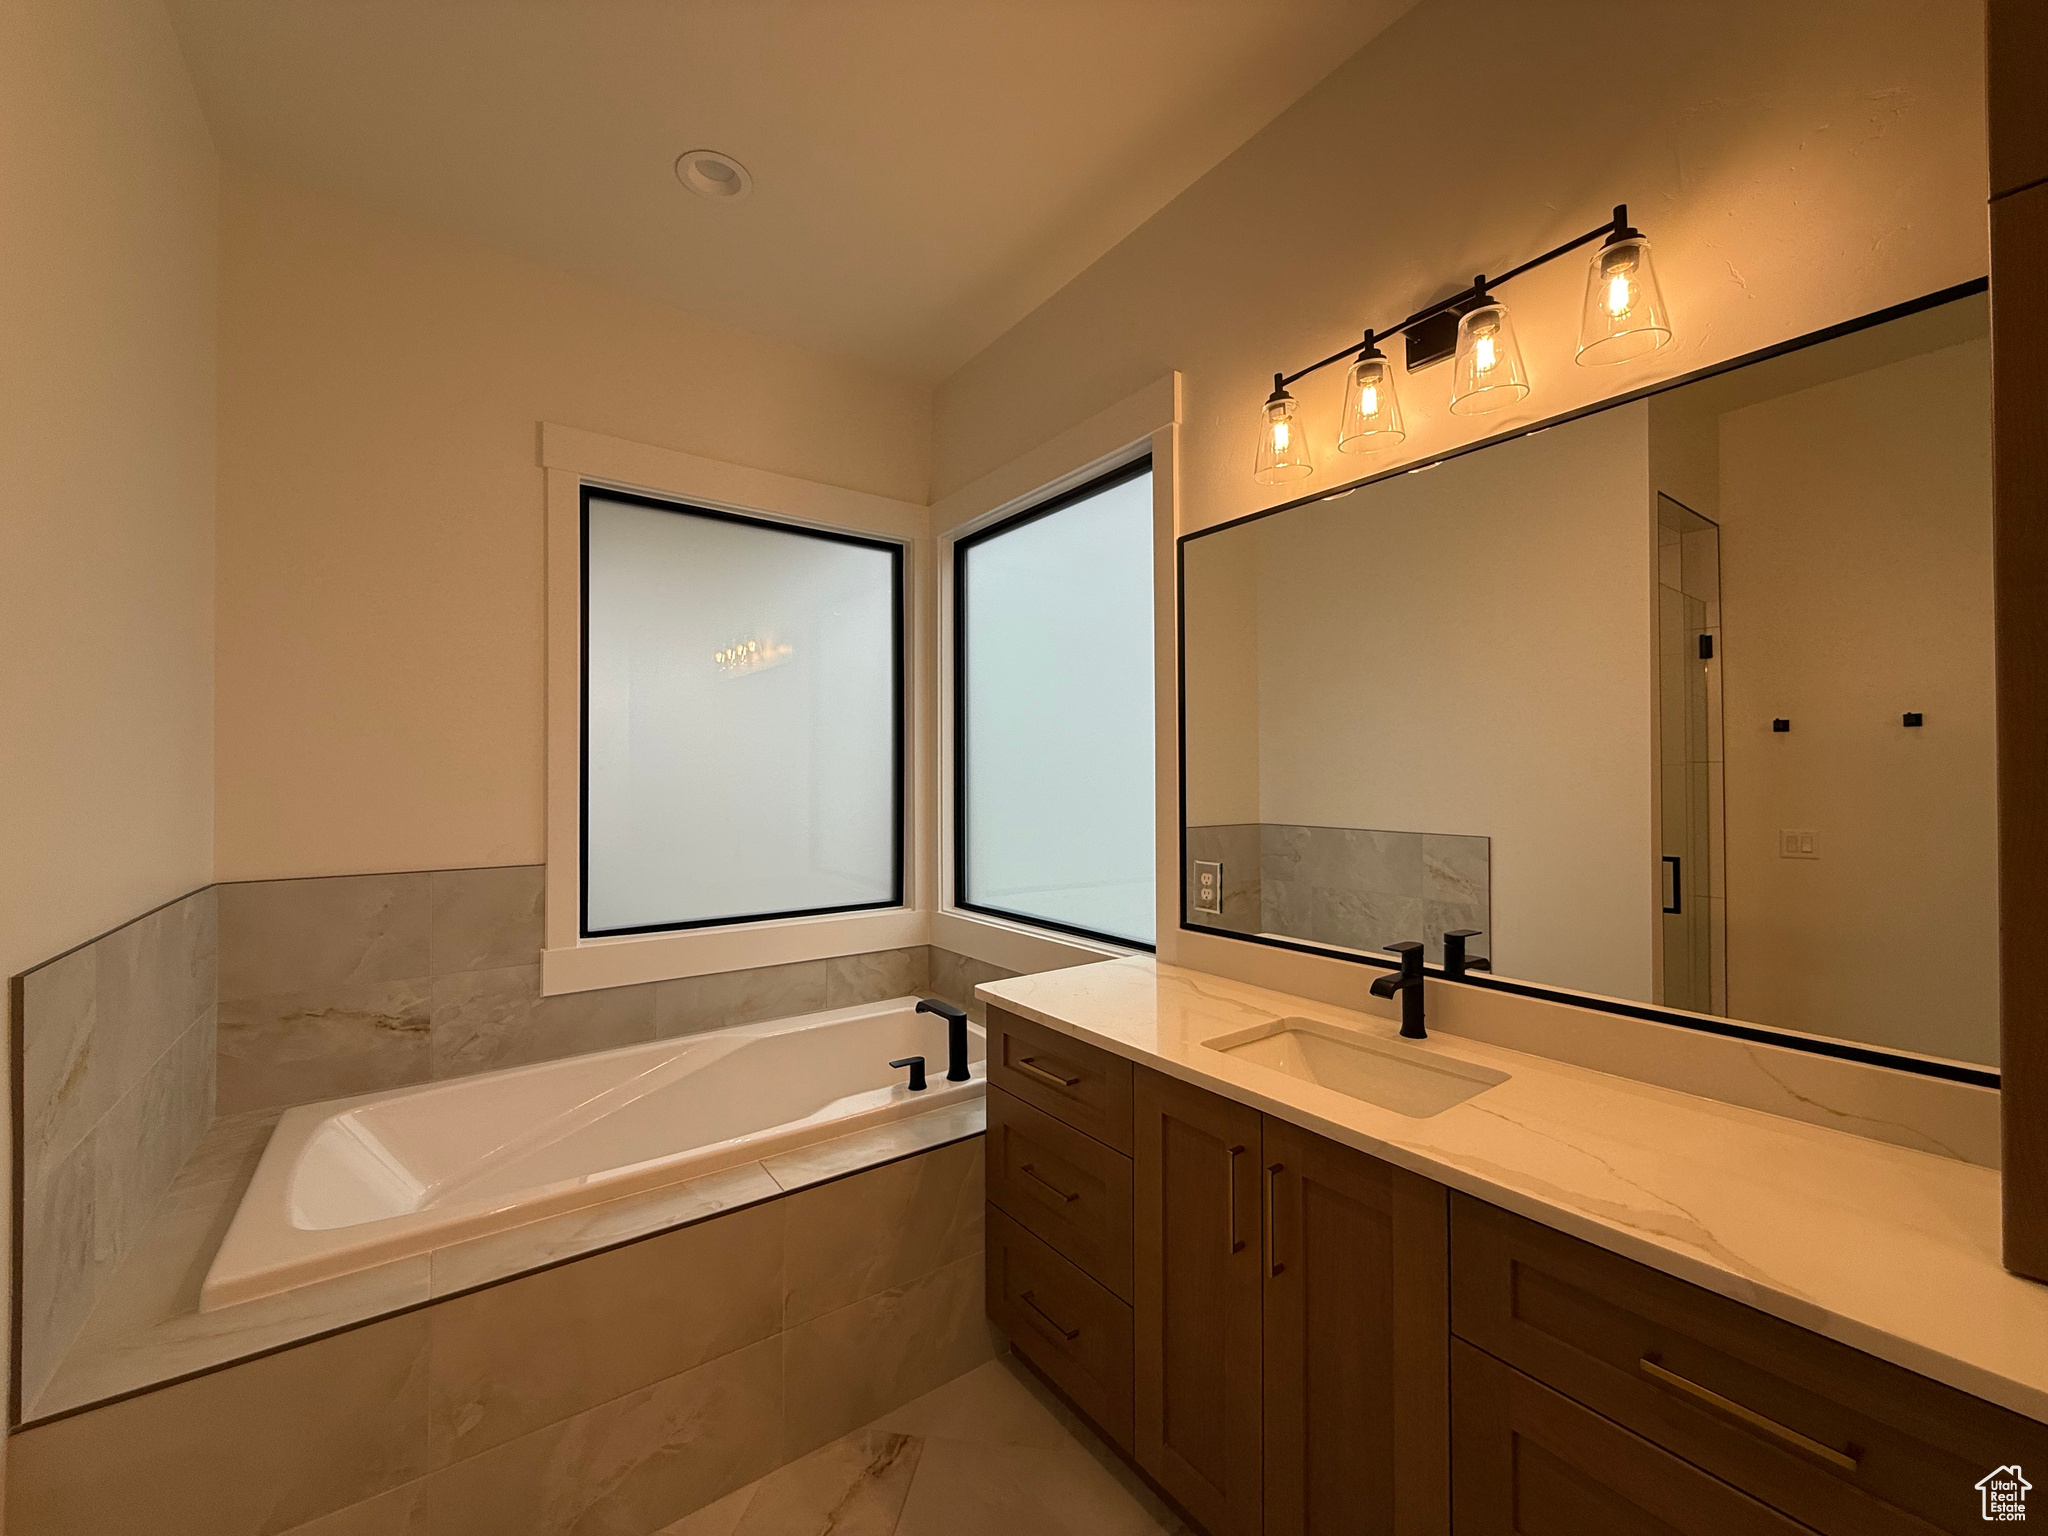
pixel 991 1453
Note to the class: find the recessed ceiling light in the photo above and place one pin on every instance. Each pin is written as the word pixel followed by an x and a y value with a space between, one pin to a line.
pixel 710 174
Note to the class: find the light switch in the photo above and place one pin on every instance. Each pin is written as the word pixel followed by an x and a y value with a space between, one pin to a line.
pixel 1797 845
pixel 1208 887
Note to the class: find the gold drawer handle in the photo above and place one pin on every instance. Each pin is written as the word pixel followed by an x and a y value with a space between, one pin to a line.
pixel 1069 1334
pixel 1024 1065
pixel 1749 1416
pixel 1048 1183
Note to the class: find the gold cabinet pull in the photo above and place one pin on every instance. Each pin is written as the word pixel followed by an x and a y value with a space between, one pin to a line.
pixel 1069 1334
pixel 1048 1183
pixel 1024 1064
pixel 1273 1264
pixel 1651 1368
pixel 1230 1177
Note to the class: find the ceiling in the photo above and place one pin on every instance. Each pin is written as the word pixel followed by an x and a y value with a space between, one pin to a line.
pixel 926 172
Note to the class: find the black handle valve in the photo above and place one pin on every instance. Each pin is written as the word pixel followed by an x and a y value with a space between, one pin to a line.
pixel 916 1065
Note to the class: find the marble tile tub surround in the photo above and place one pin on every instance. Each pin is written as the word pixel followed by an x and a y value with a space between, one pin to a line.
pixel 117 1043
pixel 347 984
pixel 1358 887
pixel 147 1328
pixel 616 1394
pixel 1887 1249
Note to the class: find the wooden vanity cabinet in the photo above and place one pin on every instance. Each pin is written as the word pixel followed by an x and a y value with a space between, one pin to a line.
pixel 1291 1322
pixel 1662 1373
pixel 1058 1187
pixel 1357 1317
pixel 1198 1299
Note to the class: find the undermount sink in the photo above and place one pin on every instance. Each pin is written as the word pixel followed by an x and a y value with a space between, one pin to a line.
pixel 1400 1078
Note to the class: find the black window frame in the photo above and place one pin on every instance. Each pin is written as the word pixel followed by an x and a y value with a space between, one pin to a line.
pixel 898 691
pixel 1129 470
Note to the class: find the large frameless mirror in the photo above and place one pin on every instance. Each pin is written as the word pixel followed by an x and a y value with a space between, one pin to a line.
pixel 1685 702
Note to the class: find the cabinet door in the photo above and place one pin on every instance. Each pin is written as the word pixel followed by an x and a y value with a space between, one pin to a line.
pixel 1198 1272
pixel 1357 1336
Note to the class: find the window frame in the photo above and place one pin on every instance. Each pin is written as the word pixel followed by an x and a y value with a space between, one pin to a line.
pixel 899 722
pixel 1130 469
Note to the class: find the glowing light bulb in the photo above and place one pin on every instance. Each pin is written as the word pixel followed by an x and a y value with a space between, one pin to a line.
pixel 1620 295
pixel 1372 407
pixel 1487 372
pixel 1624 314
pixel 1283 450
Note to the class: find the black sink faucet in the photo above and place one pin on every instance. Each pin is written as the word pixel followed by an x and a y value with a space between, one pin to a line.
pixel 956 1036
pixel 1407 982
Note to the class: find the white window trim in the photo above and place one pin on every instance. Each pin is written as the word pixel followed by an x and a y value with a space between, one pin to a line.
pixel 570 962
pixel 1145 422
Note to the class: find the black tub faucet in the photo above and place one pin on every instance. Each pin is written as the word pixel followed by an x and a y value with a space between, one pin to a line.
pixel 956 1036
pixel 1456 961
pixel 1407 983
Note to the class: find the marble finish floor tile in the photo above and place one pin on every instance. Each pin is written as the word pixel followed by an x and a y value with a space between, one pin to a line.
pixel 992 1453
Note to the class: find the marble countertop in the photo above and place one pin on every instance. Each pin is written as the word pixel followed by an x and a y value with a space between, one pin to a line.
pixel 1891 1250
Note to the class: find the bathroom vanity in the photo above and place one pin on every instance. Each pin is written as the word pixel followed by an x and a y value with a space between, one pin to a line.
pixel 1309 1276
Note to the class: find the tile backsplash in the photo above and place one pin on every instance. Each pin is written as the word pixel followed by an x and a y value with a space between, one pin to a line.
pixel 348 984
pixel 117 1084
pixel 1358 887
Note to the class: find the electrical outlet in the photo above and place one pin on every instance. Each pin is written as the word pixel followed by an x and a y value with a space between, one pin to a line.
pixel 1798 845
pixel 1208 887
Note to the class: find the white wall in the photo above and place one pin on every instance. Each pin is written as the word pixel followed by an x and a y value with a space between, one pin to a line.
pixel 1468 651
pixel 1856 585
pixel 381 513
pixel 108 197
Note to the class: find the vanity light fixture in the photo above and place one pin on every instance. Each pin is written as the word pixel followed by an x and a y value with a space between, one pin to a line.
pixel 1623 317
pixel 1283 444
pixel 1372 410
pixel 1487 373
pixel 1624 314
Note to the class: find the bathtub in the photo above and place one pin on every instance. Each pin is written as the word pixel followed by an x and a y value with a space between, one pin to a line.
pixel 354 1183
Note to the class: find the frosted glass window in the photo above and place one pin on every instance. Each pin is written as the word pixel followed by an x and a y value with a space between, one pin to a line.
pixel 742 743
pixel 1054 788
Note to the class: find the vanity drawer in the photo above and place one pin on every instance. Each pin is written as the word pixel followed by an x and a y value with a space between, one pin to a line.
pixel 1084 1085
pixel 1527 1462
pixel 1064 1323
pixel 1846 1443
pixel 1066 1189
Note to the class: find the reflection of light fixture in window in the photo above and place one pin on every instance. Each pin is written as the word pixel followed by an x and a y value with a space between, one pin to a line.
pixel 744 656
pixel 1372 411
pixel 1283 445
pixel 1487 374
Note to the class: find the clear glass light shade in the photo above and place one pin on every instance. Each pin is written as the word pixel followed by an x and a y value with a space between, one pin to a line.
pixel 1624 315
pixel 1487 373
pixel 1372 411
pixel 1283 444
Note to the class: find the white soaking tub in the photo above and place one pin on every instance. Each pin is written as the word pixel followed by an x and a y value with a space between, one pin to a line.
pixel 352 1183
